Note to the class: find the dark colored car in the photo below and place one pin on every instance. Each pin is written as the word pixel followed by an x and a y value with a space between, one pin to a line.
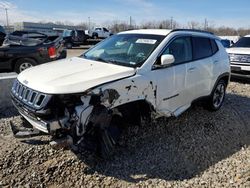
pixel 19 53
pixel 226 43
pixel 2 35
pixel 74 38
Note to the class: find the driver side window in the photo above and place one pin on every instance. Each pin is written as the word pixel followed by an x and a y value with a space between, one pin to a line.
pixel 181 49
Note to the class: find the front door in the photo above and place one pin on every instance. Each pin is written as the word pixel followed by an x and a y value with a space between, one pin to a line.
pixel 171 80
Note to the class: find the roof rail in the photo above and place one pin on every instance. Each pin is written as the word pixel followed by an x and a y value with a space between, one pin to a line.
pixel 193 30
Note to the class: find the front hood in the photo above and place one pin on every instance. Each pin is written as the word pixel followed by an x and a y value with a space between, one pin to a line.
pixel 72 75
pixel 238 50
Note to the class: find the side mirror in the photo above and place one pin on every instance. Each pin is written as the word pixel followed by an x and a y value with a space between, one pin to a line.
pixel 167 59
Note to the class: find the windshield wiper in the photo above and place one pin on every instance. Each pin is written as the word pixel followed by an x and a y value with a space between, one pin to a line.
pixel 115 62
pixel 101 59
pixel 96 59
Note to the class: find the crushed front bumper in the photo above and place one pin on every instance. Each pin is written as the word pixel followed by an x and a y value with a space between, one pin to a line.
pixel 36 122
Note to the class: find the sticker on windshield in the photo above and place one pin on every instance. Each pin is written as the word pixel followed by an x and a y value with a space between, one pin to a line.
pixel 146 41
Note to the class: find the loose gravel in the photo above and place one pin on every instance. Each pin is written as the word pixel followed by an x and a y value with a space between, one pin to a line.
pixel 197 149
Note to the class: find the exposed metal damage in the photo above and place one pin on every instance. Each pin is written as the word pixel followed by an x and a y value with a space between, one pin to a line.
pixel 93 119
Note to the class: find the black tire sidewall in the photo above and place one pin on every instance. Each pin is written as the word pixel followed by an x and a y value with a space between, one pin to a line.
pixel 211 104
pixel 21 61
pixel 69 45
pixel 95 36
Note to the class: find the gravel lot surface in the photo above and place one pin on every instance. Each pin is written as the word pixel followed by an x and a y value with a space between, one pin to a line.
pixel 198 149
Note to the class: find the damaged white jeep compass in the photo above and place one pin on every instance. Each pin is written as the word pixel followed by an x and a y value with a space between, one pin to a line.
pixel 127 77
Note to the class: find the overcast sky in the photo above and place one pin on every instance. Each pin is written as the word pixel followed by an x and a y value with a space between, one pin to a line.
pixel 218 12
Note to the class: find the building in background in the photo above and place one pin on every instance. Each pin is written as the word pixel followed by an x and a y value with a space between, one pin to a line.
pixel 46 28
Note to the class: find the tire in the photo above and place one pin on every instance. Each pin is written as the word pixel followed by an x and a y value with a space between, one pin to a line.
pixel 95 36
pixel 68 45
pixel 108 138
pixel 23 64
pixel 216 99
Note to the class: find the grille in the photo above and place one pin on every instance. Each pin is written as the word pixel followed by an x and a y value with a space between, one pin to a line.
pixel 32 98
pixel 239 58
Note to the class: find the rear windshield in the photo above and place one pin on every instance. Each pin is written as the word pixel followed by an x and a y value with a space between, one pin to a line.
pixel 244 42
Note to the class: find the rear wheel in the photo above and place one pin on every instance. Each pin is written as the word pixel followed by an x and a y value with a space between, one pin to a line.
pixel 95 36
pixel 217 97
pixel 68 45
pixel 23 64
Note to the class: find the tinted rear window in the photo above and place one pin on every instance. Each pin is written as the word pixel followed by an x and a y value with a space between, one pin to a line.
pixel 214 46
pixel 201 48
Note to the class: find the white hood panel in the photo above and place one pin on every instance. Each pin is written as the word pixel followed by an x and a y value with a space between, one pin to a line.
pixel 238 51
pixel 72 75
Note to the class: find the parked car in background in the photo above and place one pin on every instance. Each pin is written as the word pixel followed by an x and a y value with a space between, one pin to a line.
pixel 74 38
pixel 239 55
pixel 227 43
pixel 29 34
pixel 130 77
pixel 19 53
pixel 2 35
pixel 99 32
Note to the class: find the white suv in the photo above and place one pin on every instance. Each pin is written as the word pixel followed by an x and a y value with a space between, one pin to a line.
pixel 130 76
pixel 240 57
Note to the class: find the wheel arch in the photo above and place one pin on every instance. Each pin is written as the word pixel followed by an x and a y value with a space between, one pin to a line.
pixel 225 77
pixel 14 61
pixel 135 110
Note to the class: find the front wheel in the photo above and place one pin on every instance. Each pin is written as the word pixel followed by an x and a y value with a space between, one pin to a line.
pixel 217 97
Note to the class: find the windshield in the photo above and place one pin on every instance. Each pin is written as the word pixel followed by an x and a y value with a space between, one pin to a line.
pixel 244 42
pixel 125 49
pixel 67 33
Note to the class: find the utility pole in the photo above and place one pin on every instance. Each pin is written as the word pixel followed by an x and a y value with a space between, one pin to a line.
pixel 7 18
pixel 206 24
pixel 89 23
pixel 171 22
pixel 130 22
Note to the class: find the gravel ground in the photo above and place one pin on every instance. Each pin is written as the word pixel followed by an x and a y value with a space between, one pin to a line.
pixel 198 149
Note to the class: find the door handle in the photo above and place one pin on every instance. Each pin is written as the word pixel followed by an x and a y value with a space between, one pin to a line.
pixel 216 61
pixel 192 69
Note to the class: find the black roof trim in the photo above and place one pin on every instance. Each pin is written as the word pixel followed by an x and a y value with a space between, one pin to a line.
pixel 193 30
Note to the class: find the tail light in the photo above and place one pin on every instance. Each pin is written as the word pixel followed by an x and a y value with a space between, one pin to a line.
pixel 52 52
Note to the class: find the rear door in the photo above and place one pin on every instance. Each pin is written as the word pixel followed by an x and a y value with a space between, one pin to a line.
pixel 200 70
pixel 5 58
pixel 105 33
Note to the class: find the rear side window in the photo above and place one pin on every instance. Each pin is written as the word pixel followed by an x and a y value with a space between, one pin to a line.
pixel 214 46
pixel 201 48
